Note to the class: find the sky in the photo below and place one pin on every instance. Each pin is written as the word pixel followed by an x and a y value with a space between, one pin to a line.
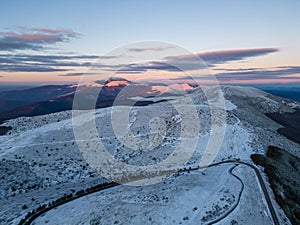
pixel 240 42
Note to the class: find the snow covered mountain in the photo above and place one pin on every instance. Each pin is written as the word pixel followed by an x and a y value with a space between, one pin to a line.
pixel 40 162
pixel 56 98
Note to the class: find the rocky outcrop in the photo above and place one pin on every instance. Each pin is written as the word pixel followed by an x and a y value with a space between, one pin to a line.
pixel 283 171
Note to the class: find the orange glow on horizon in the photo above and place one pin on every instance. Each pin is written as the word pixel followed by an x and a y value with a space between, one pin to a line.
pixel 173 77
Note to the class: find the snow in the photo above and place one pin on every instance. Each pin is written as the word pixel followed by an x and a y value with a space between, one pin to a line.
pixel 116 83
pixel 173 88
pixel 229 105
pixel 174 201
pixel 45 150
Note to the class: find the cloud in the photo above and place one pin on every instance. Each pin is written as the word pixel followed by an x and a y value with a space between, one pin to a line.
pixel 257 74
pixel 52 63
pixel 250 75
pixel 30 68
pixel 192 61
pixel 34 38
pixel 77 74
pixel 236 69
pixel 220 57
pixel 153 65
pixel 156 49
pixel 49 58
pixel 45 63
pixel 66 32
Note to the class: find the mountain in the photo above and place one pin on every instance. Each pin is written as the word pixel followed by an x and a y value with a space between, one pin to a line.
pixel 17 98
pixel 43 164
pixel 283 171
pixel 56 98
pixel 289 91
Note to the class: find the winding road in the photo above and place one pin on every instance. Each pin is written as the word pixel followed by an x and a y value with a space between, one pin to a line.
pixel 35 215
pixel 261 183
pixel 236 203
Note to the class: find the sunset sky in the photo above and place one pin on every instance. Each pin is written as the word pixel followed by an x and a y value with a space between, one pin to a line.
pixel 239 41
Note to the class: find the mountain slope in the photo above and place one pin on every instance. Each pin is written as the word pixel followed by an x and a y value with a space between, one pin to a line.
pixel 56 98
pixel 17 98
pixel 50 164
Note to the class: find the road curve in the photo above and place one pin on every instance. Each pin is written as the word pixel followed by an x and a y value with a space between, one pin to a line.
pixel 261 183
pixel 29 220
pixel 237 202
pixel 266 193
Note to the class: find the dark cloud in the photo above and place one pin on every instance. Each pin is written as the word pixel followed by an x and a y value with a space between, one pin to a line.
pixel 34 38
pixel 192 62
pixel 49 58
pixel 51 63
pixel 47 63
pixel 30 68
pixel 250 74
pixel 220 57
pixel 257 74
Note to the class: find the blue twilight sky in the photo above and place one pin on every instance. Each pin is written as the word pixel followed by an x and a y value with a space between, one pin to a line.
pixel 199 26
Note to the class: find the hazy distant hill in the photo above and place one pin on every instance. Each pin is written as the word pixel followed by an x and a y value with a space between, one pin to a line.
pixel 17 98
pixel 56 98
pixel 290 91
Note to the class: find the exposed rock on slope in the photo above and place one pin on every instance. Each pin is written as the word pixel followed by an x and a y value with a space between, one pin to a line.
pixel 283 171
pixel 291 123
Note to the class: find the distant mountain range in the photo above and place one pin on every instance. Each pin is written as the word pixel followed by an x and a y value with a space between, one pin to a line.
pixel 55 98
pixel 290 91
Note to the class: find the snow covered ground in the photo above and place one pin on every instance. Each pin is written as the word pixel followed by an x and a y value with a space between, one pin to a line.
pixel 191 198
pixel 40 162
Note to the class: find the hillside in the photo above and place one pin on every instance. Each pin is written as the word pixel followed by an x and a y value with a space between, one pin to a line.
pixel 40 161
